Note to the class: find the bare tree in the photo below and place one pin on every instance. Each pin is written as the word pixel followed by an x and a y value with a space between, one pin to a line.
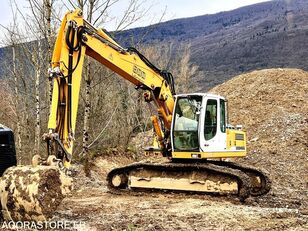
pixel 31 53
pixel 48 6
pixel 185 72
pixel 36 61
pixel 176 58
pixel 11 41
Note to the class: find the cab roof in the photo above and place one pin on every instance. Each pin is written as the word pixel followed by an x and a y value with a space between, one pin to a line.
pixel 201 94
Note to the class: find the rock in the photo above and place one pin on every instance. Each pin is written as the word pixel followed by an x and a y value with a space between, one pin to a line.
pixel 254 139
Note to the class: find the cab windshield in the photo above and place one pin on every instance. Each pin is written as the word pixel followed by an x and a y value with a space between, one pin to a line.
pixel 185 128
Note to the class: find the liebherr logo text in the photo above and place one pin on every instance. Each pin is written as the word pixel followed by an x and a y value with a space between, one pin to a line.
pixel 137 71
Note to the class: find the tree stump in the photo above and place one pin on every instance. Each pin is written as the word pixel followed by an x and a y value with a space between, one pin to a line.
pixel 32 193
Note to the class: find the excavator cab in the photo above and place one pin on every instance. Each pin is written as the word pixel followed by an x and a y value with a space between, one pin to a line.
pixel 199 128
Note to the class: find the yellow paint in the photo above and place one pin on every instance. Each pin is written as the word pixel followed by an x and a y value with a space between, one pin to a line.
pixel 184 184
pixel 205 155
pixel 232 141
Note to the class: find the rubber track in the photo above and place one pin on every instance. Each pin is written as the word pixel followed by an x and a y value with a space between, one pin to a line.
pixel 243 180
pixel 265 181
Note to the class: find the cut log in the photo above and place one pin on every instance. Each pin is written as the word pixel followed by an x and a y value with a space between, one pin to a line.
pixel 32 193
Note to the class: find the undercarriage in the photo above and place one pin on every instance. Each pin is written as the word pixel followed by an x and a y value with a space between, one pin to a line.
pixel 215 177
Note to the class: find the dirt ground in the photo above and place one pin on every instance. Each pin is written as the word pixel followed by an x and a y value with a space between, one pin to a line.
pixel 272 106
pixel 99 209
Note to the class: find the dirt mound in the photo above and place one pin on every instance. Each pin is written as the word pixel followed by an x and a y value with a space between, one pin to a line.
pixel 273 107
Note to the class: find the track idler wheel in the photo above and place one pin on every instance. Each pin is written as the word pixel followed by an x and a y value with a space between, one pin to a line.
pixel 260 185
pixel 119 181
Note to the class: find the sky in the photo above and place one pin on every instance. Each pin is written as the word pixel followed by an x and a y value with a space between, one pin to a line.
pixel 173 8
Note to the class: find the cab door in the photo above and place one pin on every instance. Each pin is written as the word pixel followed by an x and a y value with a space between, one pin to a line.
pixel 212 131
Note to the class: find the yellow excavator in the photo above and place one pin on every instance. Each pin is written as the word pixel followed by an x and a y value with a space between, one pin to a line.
pixel 192 130
pixel 192 133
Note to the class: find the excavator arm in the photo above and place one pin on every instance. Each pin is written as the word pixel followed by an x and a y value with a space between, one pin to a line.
pixel 77 38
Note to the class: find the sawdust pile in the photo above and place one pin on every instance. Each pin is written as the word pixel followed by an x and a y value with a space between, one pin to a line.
pixel 272 104
pixel 273 107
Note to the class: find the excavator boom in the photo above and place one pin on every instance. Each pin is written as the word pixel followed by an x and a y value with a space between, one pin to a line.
pixel 77 38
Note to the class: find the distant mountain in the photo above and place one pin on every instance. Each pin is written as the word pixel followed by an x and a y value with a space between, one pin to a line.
pixel 265 35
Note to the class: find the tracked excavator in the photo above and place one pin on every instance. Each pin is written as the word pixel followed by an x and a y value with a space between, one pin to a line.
pixel 191 130
pixel 192 133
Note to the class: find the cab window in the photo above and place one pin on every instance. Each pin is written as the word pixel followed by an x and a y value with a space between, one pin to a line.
pixel 222 116
pixel 185 129
pixel 210 122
